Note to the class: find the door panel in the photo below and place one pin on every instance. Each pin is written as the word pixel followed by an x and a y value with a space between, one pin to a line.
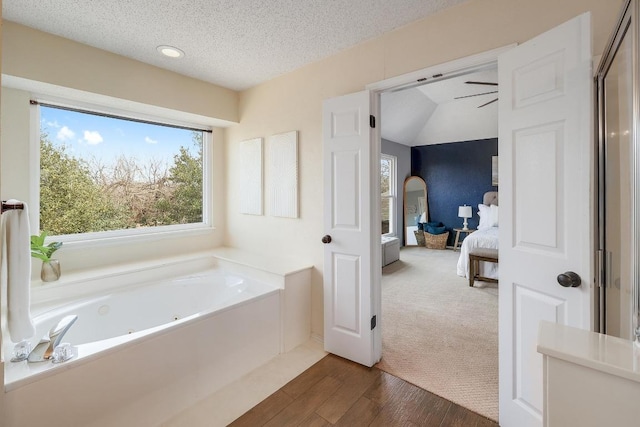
pixel 347 301
pixel 545 204
pixel 539 81
pixel 531 306
pixel 345 170
pixel 537 155
pixel 351 256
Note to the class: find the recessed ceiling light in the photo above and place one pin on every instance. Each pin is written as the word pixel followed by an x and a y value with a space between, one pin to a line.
pixel 170 51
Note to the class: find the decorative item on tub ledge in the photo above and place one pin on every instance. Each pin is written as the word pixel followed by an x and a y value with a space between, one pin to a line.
pixel 50 271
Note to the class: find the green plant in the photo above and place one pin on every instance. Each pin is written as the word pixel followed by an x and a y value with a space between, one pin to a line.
pixel 40 250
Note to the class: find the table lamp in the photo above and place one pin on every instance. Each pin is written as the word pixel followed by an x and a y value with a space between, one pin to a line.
pixel 464 212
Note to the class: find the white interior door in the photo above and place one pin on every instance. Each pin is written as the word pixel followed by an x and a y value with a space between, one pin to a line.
pixel 545 146
pixel 351 256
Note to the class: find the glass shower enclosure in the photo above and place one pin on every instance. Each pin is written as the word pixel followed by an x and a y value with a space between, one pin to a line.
pixel 618 165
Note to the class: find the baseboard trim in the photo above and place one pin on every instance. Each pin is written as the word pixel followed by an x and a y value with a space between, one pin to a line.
pixel 318 338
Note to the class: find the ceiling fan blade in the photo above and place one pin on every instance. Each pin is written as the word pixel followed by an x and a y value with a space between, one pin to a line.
pixel 490 102
pixel 477 94
pixel 482 83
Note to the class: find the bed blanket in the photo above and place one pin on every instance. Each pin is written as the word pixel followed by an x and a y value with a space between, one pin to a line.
pixel 479 239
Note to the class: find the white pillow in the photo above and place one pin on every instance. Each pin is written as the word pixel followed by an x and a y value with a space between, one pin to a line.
pixel 494 215
pixel 484 212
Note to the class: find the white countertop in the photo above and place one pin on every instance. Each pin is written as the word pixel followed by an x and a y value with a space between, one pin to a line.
pixel 604 353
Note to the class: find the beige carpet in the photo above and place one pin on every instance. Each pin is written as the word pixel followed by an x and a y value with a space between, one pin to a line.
pixel 437 332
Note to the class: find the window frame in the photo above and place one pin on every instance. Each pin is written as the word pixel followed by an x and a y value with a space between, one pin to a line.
pixel 392 197
pixel 122 235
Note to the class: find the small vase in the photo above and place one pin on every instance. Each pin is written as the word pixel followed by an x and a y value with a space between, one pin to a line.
pixel 50 271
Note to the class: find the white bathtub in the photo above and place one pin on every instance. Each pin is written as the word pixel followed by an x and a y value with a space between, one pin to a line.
pixel 148 351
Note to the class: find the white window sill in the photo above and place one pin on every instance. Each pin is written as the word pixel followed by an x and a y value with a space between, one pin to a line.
pixel 120 237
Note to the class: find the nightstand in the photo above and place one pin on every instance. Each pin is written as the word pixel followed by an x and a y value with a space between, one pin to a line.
pixel 458 231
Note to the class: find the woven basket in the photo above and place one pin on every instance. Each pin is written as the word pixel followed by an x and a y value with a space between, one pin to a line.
pixel 436 241
pixel 419 237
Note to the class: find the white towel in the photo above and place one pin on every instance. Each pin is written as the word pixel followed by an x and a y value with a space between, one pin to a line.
pixel 16 271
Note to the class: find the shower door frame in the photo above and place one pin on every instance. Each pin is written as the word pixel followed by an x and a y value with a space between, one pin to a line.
pixel 627 26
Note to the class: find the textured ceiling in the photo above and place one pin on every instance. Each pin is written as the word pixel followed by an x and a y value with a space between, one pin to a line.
pixel 430 114
pixel 232 43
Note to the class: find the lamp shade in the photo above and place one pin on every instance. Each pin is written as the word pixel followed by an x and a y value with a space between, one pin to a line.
pixel 464 211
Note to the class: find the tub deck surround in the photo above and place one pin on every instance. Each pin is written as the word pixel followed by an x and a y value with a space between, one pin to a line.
pixel 272 266
pixel 152 374
pixel 291 275
pixel 156 377
pixel 589 379
pixel 123 317
pixel 80 284
pixel 232 401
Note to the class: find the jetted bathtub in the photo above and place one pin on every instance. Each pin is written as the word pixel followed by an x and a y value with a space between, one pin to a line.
pixel 167 344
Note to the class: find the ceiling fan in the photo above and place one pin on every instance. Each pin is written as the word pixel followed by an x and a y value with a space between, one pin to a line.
pixel 479 94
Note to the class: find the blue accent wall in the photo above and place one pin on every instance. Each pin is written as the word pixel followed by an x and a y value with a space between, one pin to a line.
pixel 456 174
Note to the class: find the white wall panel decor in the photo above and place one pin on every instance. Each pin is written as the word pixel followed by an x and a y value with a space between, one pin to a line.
pixel 251 185
pixel 283 173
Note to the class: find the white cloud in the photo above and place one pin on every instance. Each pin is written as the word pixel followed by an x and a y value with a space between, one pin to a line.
pixel 92 137
pixel 149 140
pixel 65 134
pixel 54 124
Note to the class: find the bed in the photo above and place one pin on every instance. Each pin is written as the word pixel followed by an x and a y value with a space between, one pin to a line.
pixel 485 237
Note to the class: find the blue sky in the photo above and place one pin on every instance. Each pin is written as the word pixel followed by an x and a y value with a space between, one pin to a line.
pixel 88 136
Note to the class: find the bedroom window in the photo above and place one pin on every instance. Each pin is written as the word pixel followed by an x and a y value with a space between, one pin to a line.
pixel 101 173
pixel 388 193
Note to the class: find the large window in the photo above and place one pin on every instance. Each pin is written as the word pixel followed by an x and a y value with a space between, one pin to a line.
pixel 388 193
pixel 101 173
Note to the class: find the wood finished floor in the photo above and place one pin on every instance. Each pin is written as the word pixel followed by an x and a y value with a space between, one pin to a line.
pixel 338 392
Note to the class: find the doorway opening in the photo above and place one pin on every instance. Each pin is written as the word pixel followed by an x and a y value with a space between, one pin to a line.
pixel 440 333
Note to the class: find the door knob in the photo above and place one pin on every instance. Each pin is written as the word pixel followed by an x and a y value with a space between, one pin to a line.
pixel 326 239
pixel 569 279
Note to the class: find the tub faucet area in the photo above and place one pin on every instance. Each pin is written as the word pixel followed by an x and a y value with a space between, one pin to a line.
pixel 45 348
